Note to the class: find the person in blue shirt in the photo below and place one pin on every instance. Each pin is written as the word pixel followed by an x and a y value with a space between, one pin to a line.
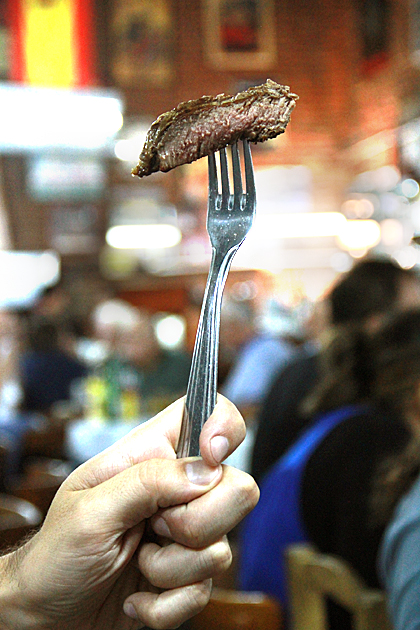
pixel 47 370
pixel 258 350
pixel 324 489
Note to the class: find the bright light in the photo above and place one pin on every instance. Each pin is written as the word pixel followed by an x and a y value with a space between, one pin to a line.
pixel 407 257
pixel 358 208
pixel 146 236
pixel 131 140
pixel 170 331
pixel 392 232
pixel 39 118
pixel 24 274
pixel 359 235
pixel 129 150
pixel 300 224
pixel 410 188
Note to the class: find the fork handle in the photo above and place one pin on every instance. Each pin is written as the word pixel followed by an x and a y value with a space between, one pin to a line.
pixel 201 394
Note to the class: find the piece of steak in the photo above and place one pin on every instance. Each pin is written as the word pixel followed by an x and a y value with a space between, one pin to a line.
pixel 200 127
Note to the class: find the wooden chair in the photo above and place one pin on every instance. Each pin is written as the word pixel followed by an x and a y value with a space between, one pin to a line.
pixel 45 440
pixel 314 576
pixel 17 519
pixel 40 481
pixel 236 610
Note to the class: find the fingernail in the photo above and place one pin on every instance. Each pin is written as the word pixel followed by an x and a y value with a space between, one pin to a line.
pixel 160 528
pixel 219 446
pixel 199 473
pixel 130 611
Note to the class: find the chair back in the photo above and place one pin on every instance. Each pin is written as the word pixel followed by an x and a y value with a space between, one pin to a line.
pixel 230 609
pixel 313 577
pixel 17 519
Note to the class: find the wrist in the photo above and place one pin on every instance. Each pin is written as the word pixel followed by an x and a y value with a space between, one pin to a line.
pixel 16 610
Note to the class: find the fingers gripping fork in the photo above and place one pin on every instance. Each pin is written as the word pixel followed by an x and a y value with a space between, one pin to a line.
pixel 229 219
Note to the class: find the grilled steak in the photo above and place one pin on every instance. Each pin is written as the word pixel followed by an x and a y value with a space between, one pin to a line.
pixel 200 127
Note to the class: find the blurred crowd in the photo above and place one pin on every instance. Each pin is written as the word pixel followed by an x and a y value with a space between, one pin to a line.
pixel 111 370
pixel 330 395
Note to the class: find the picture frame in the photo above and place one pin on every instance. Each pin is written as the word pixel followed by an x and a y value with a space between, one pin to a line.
pixel 142 34
pixel 239 34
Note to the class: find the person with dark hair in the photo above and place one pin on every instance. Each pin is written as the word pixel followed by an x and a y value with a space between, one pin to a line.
pixel 47 370
pixel 323 490
pixel 372 290
pixel 396 497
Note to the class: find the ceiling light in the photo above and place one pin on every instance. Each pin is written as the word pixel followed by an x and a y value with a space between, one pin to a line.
pixel 359 235
pixel 409 188
pixel 59 118
pixel 147 236
pixel 300 224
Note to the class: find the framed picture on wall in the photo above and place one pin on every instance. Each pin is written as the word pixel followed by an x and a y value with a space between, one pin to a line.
pixel 239 34
pixel 142 35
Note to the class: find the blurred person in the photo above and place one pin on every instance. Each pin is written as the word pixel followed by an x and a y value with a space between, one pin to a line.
pixel 260 346
pixel 13 423
pixel 47 370
pixel 111 375
pixel 10 345
pixel 163 374
pixel 134 359
pixel 396 494
pixel 322 490
pixel 372 290
pixel 110 318
pixel 53 302
pixel 134 535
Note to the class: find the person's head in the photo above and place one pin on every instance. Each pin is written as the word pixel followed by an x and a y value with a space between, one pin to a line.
pixel 42 334
pixel 138 344
pixel 395 360
pixel 53 302
pixel 371 290
pixel 112 317
pixel 237 325
pixel 382 367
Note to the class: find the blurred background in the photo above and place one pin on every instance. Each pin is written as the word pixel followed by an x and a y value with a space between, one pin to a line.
pixel 82 81
pixel 97 329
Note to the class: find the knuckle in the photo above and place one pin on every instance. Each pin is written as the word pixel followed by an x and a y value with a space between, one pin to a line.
pixel 198 596
pixel 187 530
pixel 248 493
pixel 222 556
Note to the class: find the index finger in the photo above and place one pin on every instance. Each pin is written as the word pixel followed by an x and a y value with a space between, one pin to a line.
pixel 158 438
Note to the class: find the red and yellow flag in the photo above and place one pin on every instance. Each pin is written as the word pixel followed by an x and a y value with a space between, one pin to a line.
pixel 52 42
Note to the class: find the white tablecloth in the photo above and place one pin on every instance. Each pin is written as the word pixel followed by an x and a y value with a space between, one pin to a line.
pixel 86 438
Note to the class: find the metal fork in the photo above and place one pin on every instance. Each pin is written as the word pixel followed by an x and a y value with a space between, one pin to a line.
pixel 229 219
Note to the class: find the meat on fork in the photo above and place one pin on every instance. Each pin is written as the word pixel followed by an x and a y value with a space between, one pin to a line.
pixel 203 126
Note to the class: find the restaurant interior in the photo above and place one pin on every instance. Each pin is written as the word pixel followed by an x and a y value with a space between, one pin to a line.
pixel 81 81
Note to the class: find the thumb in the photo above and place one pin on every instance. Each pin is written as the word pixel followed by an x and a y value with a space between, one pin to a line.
pixel 138 492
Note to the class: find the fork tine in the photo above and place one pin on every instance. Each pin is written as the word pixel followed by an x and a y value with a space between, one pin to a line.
pixel 224 176
pixel 213 185
pixel 249 173
pixel 237 177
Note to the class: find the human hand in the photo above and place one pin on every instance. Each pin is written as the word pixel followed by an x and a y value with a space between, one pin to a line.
pixel 92 554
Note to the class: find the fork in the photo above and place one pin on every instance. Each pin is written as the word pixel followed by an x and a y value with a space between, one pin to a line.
pixel 229 219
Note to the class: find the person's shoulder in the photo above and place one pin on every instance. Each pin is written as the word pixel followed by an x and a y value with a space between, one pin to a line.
pixel 366 435
pixel 405 522
pixel 300 366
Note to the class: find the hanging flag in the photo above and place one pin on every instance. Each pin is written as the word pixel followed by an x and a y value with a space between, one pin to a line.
pixel 52 42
